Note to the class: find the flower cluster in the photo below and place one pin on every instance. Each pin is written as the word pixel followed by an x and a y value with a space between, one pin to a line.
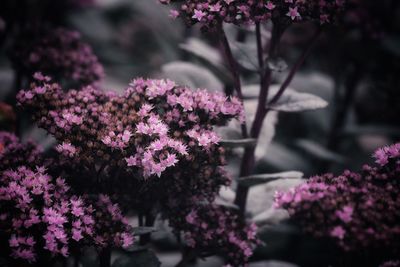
pixel 14 153
pixel 357 210
pixel 40 215
pixel 112 227
pixel 57 51
pixel 388 154
pixel 151 127
pixel 156 140
pixel 210 13
pixel 212 228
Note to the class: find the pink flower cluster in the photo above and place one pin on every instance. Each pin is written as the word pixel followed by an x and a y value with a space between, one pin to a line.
pixel 111 227
pixel 154 129
pixel 388 154
pixel 212 228
pixel 210 13
pixel 39 214
pixel 14 153
pixel 59 52
pixel 357 210
pixel 151 127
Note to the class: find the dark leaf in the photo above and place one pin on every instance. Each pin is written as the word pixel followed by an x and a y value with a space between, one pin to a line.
pixel 319 151
pixel 224 203
pixel 203 51
pixel 293 101
pixel 143 230
pixel 249 142
pixel 194 76
pixel 372 129
pixel 257 179
pixel 246 55
pixel 277 64
pixel 282 158
pixel 145 258
pixel 209 56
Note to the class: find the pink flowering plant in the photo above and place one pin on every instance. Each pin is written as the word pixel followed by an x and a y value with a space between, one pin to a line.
pixel 155 135
pixel 358 211
pixel 59 52
pixel 212 13
pixel 41 219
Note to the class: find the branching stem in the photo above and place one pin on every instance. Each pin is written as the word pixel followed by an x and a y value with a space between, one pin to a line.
pixel 248 161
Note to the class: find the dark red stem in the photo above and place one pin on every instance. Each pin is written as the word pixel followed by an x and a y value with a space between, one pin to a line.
pixel 248 161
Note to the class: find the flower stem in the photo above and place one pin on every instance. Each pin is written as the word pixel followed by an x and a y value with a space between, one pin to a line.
pixel 248 161
pixel 105 257
pixel 77 259
pixel 149 222
pixel 295 68
pixel 260 52
pixel 188 255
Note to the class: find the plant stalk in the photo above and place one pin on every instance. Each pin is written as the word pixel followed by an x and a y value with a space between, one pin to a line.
pixel 105 257
pixel 248 161
pixel 234 68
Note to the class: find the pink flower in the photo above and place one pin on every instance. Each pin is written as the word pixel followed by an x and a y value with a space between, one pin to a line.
pixel 157 145
pixel 345 214
pixel 174 13
pixel 66 149
pixel 293 13
pixel 215 8
pixel 126 136
pixel 191 217
pixel 127 240
pixel 338 232
pixel 199 15
pixel 270 5
pixel 40 90
pixel 142 128
pixel 13 241
pixel 131 161
pixel 145 110
pixel 76 235
pixel 171 160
